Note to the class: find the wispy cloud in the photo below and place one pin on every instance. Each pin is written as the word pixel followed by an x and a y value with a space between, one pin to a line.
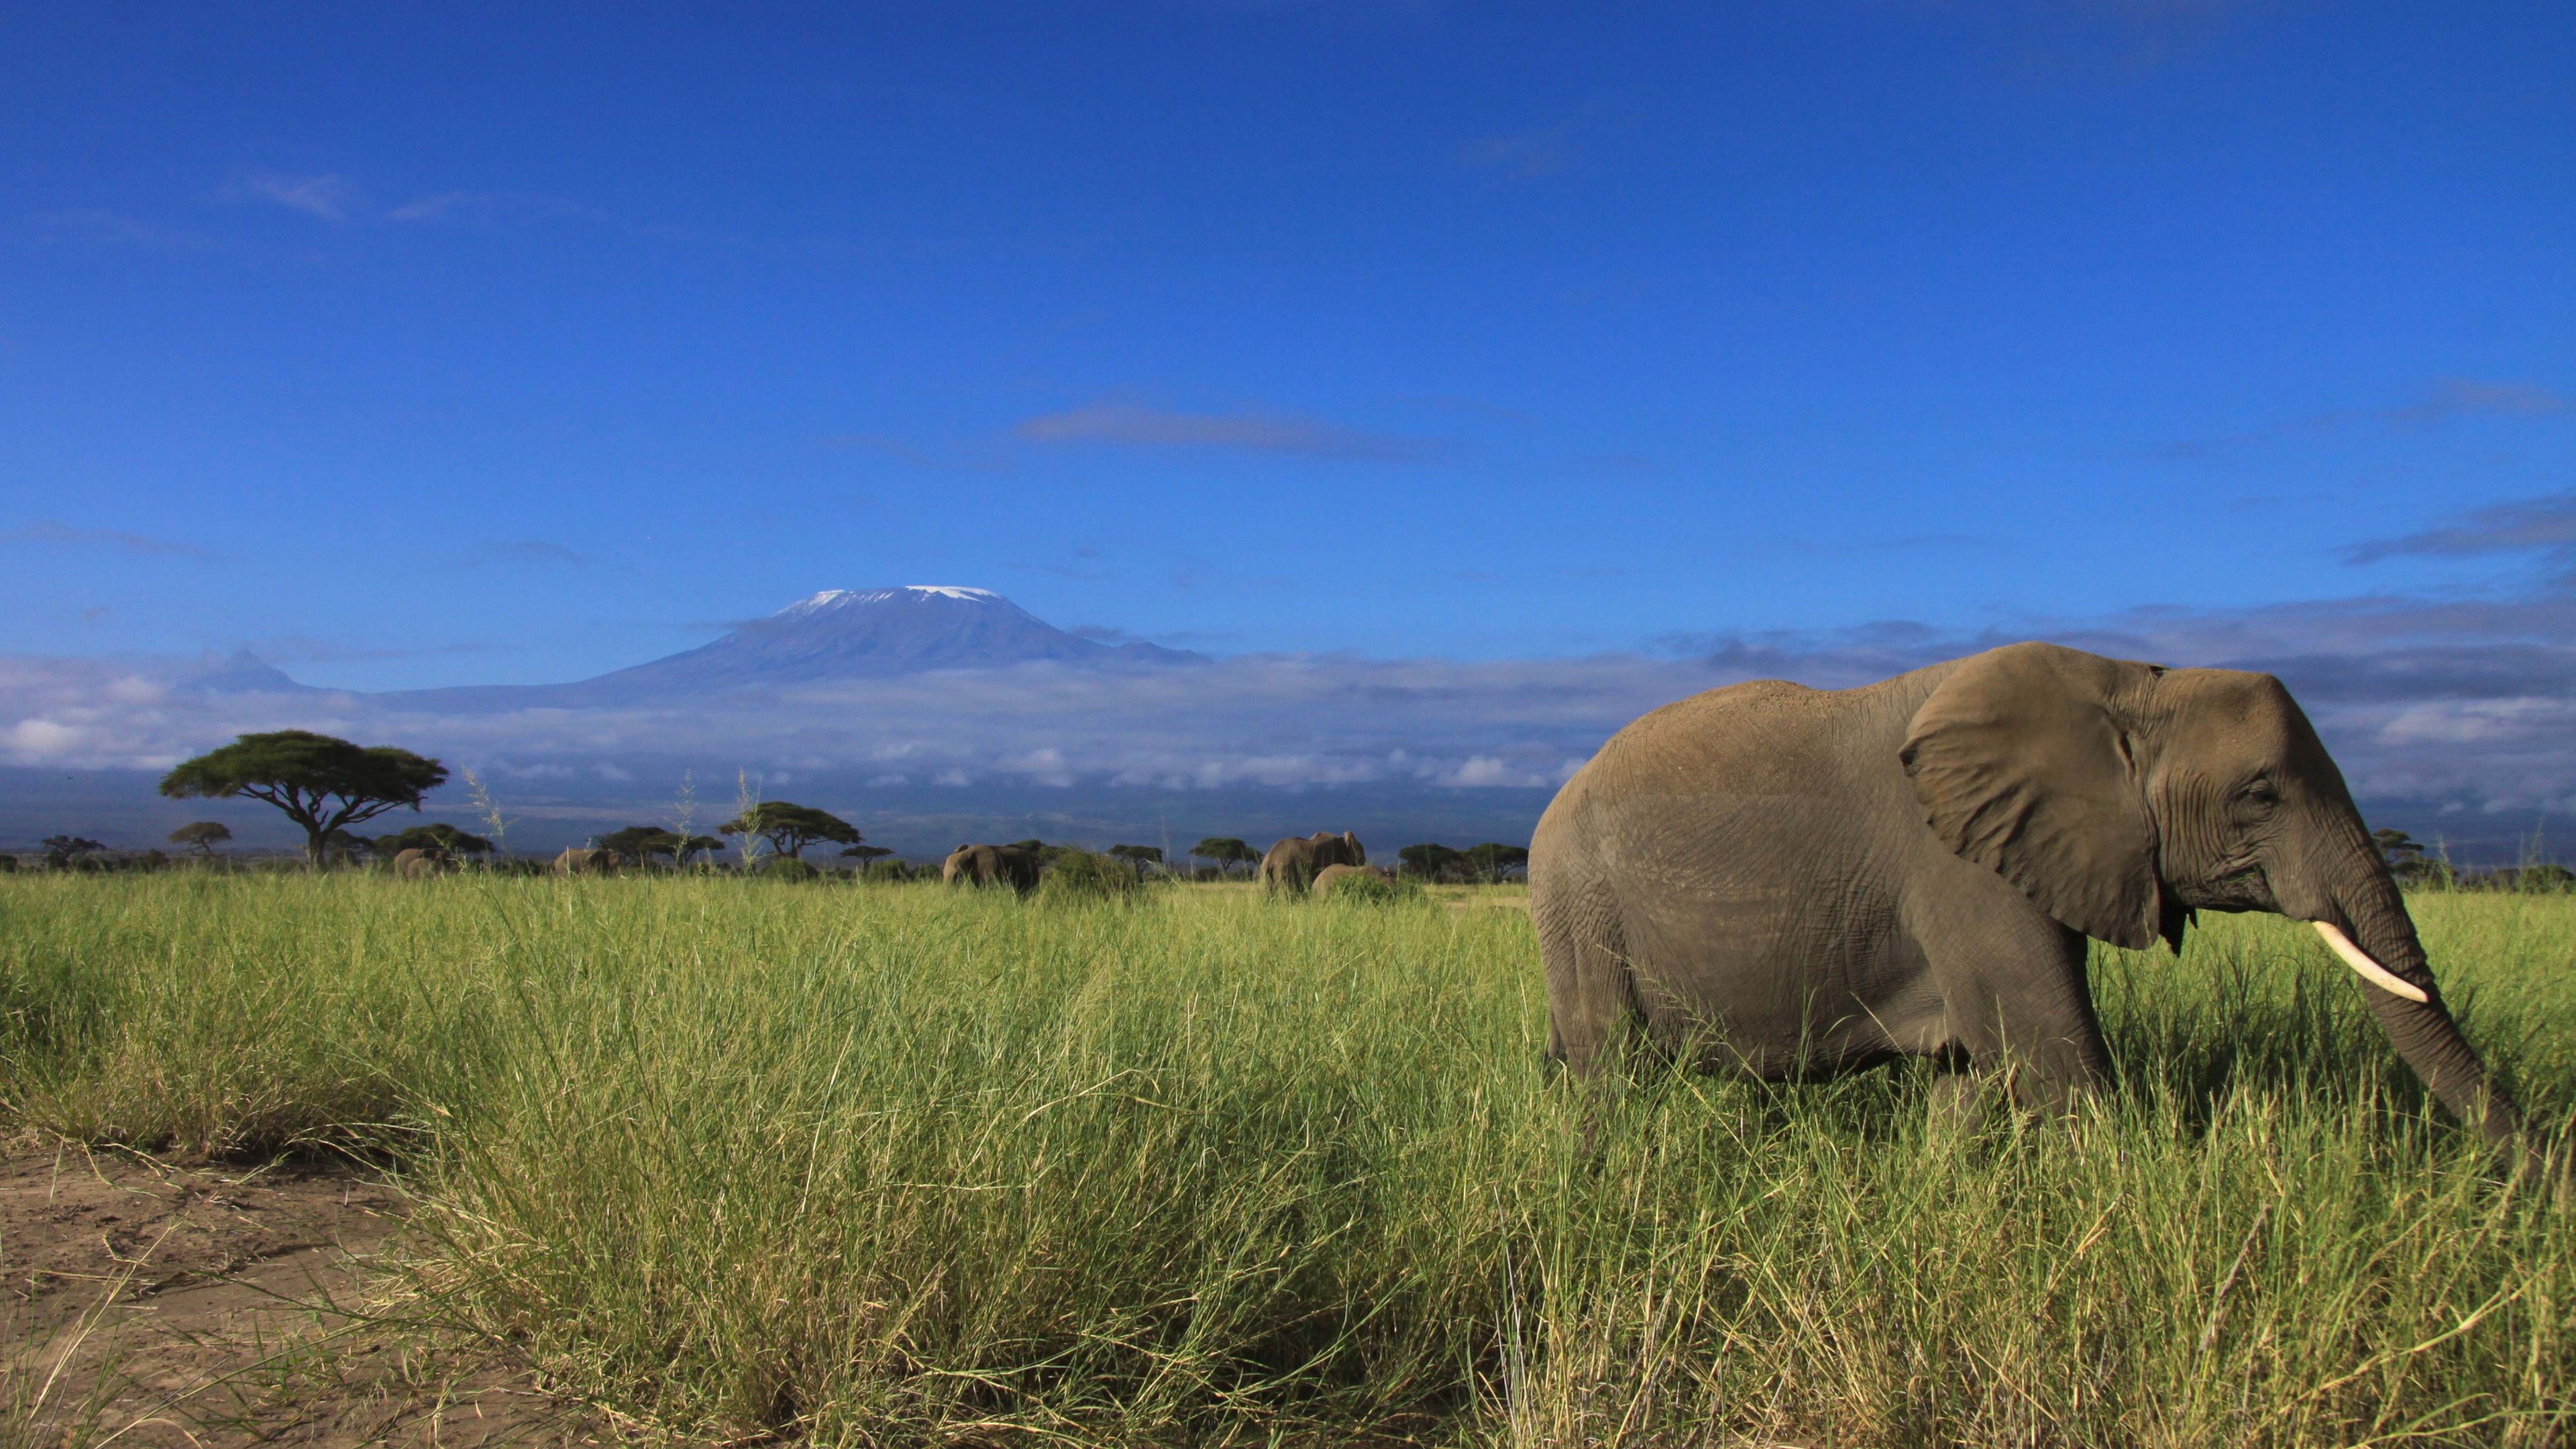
pixel 2521 526
pixel 1523 157
pixel 492 208
pixel 523 552
pixel 2444 401
pixel 45 532
pixel 1129 425
pixel 306 649
pixel 1899 543
pixel 96 226
pixel 985 456
pixel 321 197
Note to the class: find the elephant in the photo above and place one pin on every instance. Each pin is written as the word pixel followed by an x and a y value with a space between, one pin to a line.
pixel 982 865
pixel 580 860
pixel 1291 864
pixel 1325 878
pixel 1794 881
pixel 415 864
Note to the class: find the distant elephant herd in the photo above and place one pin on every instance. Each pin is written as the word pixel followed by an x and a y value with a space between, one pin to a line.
pixel 1783 880
pixel 580 860
pixel 1293 866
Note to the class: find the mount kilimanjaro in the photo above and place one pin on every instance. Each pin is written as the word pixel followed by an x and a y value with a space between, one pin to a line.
pixel 835 636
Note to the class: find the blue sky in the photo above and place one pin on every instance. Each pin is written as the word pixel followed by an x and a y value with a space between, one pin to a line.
pixel 1469 378
pixel 419 345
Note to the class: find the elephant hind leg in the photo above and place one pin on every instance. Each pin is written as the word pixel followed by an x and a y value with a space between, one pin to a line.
pixel 1591 1001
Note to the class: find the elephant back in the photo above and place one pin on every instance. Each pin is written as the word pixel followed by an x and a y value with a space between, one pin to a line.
pixel 983 865
pixel 1017 866
pixel 1292 863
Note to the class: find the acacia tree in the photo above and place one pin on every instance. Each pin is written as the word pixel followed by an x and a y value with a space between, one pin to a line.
pixel 2404 856
pixel 643 842
pixel 437 835
pixel 1493 860
pixel 790 828
pixel 202 836
pixel 1140 856
pixel 1430 860
pixel 866 855
pixel 322 783
pixel 1226 851
pixel 62 851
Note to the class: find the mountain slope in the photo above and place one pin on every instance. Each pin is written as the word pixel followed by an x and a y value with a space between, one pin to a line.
pixel 836 635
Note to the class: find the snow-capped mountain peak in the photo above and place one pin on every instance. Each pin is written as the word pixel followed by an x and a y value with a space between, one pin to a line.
pixel 844 598
pixel 849 634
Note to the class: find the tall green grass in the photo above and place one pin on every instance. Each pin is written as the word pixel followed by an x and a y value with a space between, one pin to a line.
pixel 895 1164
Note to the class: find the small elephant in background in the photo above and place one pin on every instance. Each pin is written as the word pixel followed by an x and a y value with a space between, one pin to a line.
pixel 982 865
pixel 418 864
pixel 1331 875
pixel 1292 864
pixel 581 860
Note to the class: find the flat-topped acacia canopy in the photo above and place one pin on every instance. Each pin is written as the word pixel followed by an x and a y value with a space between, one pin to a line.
pixel 321 782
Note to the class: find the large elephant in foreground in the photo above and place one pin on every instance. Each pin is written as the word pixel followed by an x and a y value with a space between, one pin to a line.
pixel 1013 865
pixel 1786 879
pixel 581 860
pixel 1292 863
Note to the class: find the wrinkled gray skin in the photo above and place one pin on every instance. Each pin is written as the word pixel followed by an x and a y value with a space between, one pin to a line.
pixel 580 860
pixel 415 864
pixel 1291 864
pixel 1324 878
pixel 1791 880
pixel 984 865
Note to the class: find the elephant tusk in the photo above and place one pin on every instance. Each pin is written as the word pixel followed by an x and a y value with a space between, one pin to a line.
pixel 2371 971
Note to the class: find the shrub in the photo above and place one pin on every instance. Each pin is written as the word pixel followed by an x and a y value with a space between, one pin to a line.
pixel 1367 887
pixel 1081 875
pixel 786 867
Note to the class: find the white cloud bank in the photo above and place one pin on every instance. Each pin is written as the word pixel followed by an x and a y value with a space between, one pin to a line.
pixel 1270 722
pixel 2481 726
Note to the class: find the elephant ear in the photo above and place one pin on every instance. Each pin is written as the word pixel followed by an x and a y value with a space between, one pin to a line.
pixel 2022 765
pixel 1359 852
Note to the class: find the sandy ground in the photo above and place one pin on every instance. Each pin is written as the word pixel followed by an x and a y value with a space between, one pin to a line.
pixel 158 1304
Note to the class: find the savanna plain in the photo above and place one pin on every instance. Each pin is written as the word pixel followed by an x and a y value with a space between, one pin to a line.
pixel 891 1164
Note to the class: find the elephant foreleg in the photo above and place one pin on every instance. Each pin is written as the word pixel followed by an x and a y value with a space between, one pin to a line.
pixel 2016 1004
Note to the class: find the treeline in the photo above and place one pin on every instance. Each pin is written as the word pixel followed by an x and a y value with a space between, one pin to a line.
pixel 328 788
pixel 2417 869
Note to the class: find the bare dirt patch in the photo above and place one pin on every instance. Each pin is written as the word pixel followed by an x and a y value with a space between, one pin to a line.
pixel 153 1303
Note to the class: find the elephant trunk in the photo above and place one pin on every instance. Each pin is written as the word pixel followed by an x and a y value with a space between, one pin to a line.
pixel 2364 906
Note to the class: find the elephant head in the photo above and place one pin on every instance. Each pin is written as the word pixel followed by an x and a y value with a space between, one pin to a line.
pixel 2121 797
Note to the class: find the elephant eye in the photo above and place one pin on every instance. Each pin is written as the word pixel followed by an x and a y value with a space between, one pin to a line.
pixel 2262 793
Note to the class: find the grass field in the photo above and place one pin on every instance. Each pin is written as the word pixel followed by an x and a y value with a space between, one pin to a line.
pixel 891 1164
